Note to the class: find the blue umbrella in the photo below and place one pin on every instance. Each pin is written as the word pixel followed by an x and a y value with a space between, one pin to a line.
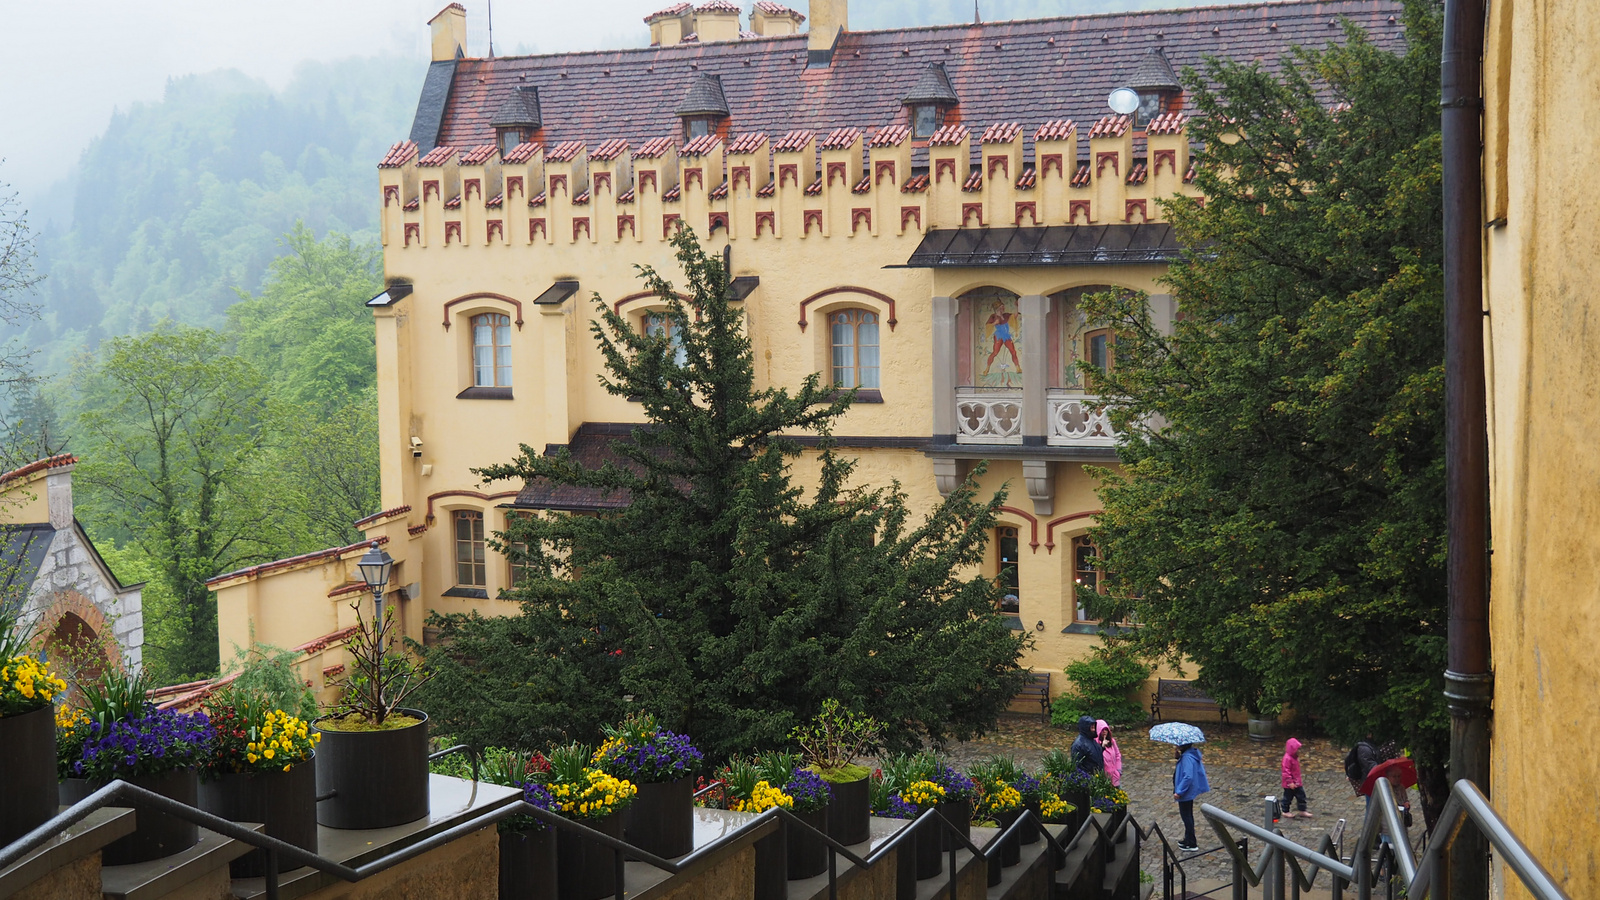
pixel 1178 733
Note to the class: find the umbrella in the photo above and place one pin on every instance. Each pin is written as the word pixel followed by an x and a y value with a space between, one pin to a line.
pixel 1401 771
pixel 1177 733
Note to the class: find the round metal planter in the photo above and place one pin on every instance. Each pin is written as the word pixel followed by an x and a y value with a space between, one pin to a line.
pixel 156 834
pixel 660 819
pixel 379 778
pixel 959 814
pixel 930 850
pixel 27 772
pixel 528 865
pixel 1029 833
pixel 284 802
pixel 807 854
pixel 1011 849
pixel 585 869
pixel 850 812
pixel 1264 729
pixel 772 865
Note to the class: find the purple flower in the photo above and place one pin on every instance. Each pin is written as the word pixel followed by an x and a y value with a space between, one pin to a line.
pixel 957 786
pixel 809 791
pixel 665 756
pixel 899 809
pixel 159 740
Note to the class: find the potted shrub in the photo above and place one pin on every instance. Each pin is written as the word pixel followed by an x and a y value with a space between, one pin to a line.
pixel 527 844
pixel 585 869
pixel 261 769
pixel 27 736
pixel 120 735
pixel 373 751
pixel 831 744
pixel 662 766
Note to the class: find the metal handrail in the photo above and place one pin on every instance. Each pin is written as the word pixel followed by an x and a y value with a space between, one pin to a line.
pixel 1466 803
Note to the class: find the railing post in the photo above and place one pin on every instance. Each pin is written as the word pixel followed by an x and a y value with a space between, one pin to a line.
pixel 620 870
pixel 272 874
pixel 1241 886
pixel 1272 879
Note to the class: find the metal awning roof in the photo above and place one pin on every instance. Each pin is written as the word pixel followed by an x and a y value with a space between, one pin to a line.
pixel 1049 245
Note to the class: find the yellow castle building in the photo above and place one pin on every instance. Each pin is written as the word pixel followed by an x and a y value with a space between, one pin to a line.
pixel 913 213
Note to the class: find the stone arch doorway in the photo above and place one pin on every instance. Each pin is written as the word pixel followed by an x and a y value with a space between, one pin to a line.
pixel 76 652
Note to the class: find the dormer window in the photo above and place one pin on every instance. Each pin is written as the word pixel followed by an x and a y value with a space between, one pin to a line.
pixel 703 108
pixel 929 101
pixel 517 118
pixel 1157 86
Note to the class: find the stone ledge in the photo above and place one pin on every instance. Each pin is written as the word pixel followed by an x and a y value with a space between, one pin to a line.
pixel 98 829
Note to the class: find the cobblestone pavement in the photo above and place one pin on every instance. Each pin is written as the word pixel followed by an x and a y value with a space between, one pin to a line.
pixel 1241 772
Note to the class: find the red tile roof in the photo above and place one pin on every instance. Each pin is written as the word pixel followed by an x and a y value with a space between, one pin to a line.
pixel 478 155
pixel 839 139
pixel 1026 180
pixel 890 136
pixel 793 142
pixel 655 148
pixel 700 146
pixel 769 88
pixel 412 205
pixel 582 199
pixel 1080 178
pixel 438 156
pixel 720 191
pixel 1054 130
pixel 398 155
pixel 1110 126
pixel 495 202
pixel 314 556
pixel 949 135
pixel 523 152
pixel 536 199
pixel 749 142
pixel 916 184
pixel 626 196
pixel 1001 133
pixel 453 202
pixel 1166 123
pixel 672 193
pixel 768 189
pixel 566 151
pixel 718 6
pixel 864 185
pixel 39 465
pixel 609 150
pixel 1137 173
pixel 676 9
pixel 974 181
pixel 777 9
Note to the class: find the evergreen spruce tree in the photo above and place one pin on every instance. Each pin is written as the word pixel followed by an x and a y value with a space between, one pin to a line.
pixel 725 598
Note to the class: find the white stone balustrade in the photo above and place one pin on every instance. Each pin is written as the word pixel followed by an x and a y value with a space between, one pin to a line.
pixel 1073 423
pixel 988 417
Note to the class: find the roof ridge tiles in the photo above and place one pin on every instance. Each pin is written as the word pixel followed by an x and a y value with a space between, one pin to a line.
pixel 453 202
pixel 676 9
pixel 916 184
pixel 566 151
pixel 672 193
pixel 749 142
pixel 537 199
pixel 477 155
pixel 399 154
pixel 495 202
pixel 890 136
pixel 522 152
pixel 626 196
pixel 1137 173
pixel 794 141
pixel 1080 178
pixel 1109 126
pixel 718 6
pixel 609 150
pixel 1055 130
pixel 437 157
pixel 1166 123
pixel 720 191
pixel 814 188
pixel 974 182
pixel 839 139
pixel 700 146
pixel 768 189
pixel 582 199
pixel 655 148
pixel 1001 133
pixel 767 7
pixel 949 135
pixel 864 185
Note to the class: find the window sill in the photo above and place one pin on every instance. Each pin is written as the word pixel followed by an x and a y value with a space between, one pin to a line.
pixel 1096 628
pixel 471 593
pixel 865 395
pixel 485 393
pixel 1013 622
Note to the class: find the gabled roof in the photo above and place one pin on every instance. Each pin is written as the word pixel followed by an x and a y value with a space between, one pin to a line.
pixel 1028 72
pixel 704 98
pixel 22 550
pixel 932 87
pixel 1155 73
pixel 519 109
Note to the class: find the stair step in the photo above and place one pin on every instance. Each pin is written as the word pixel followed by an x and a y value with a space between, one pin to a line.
pixel 201 870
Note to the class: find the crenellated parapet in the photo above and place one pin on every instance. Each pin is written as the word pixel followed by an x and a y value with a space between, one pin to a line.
pixel 802 185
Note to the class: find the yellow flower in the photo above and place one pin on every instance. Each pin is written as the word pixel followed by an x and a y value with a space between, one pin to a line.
pixel 251 757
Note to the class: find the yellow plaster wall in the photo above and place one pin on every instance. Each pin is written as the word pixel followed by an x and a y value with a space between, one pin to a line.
pixel 24 500
pixel 1543 75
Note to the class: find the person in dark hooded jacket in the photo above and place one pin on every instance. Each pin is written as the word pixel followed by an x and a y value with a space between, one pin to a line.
pixel 1088 756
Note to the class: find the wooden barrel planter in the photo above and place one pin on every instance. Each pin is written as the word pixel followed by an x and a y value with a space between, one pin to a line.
pixel 378 778
pixel 807 855
pixel 586 869
pixel 850 812
pixel 959 814
pixel 156 834
pixel 528 864
pixel 28 764
pixel 660 819
pixel 284 802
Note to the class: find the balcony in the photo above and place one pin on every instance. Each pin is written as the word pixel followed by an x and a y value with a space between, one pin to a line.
pixel 1073 423
pixel 988 417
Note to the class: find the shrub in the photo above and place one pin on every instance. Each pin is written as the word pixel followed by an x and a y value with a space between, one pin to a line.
pixel 1100 688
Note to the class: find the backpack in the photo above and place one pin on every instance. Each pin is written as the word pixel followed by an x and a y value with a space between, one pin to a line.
pixel 1352 765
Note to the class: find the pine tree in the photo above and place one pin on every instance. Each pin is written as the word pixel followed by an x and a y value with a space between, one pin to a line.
pixel 725 598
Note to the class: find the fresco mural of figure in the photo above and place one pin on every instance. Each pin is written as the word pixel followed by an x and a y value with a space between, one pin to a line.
pixel 1001 328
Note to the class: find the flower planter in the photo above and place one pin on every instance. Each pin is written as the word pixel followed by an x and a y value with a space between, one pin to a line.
pixel 1264 729
pixel 586 869
pixel 850 812
pixel 28 759
pixel 528 864
pixel 661 818
pixel 1115 827
pixel 1029 833
pixel 284 802
pixel 959 814
pixel 772 865
pixel 930 850
pixel 1011 849
pixel 905 869
pixel 1079 815
pixel 807 854
pixel 380 778
pixel 156 834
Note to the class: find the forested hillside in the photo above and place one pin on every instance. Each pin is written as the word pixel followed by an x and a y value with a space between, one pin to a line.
pixel 874 14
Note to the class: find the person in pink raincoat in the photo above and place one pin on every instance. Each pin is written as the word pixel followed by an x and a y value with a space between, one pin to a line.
pixel 1294 784
pixel 1113 753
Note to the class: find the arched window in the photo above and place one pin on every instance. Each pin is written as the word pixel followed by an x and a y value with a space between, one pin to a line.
pixel 1085 572
pixel 855 348
pixel 661 325
pixel 1006 548
pixel 470 568
pixel 491 350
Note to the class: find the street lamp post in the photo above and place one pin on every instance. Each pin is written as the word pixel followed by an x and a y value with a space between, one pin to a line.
pixel 375 566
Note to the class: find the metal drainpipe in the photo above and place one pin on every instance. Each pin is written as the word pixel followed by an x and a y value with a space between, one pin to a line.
pixel 1469 685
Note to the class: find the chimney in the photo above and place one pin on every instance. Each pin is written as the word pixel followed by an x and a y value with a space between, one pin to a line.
pixel 449 33
pixel 770 19
pixel 671 25
pixel 58 495
pixel 828 19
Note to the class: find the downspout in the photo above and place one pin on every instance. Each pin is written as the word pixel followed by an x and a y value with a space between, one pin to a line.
pixel 1469 684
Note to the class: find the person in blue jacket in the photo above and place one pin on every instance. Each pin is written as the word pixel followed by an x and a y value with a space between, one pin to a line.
pixel 1188 782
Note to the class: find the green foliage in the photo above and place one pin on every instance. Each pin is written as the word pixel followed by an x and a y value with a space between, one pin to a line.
pixel 1100 688
pixel 119 695
pixel 380 679
pixel 902 770
pixel 267 672
pixel 723 598
pixel 836 736
pixel 1284 528
pixel 169 429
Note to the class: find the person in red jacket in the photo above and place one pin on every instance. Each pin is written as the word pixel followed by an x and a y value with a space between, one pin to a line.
pixel 1294 785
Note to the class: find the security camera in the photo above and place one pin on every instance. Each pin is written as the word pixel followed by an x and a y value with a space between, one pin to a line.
pixel 416 447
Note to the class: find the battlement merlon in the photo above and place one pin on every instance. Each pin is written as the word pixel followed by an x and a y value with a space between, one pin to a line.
pixel 796 186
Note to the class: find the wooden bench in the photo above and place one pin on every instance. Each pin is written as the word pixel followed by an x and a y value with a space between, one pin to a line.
pixel 1037 687
pixel 1174 697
